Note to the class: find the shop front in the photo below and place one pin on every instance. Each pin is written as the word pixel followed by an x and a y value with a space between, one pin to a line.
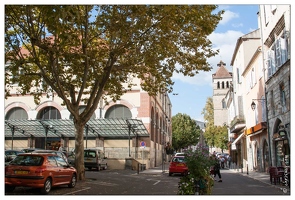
pixel 282 147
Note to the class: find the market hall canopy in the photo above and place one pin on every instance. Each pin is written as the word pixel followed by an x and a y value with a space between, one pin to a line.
pixel 106 128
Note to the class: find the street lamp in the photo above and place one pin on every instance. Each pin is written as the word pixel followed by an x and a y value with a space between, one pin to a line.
pixel 253 105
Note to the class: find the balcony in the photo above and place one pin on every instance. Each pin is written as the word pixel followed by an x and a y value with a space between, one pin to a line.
pixel 237 124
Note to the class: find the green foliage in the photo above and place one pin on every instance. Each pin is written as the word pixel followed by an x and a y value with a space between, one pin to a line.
pixel 186 185
pixel 185 131
pixel 199 163
pixel 216 136
pixel 208 112
pixel 221 135
pixel 84 53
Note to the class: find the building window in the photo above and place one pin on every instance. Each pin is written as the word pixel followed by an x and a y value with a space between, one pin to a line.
pixel 227 84
pixel 118 111
pixel 223 104
pixel 218 85
pixel 49 112
pixel 222 84
pixel 238 76
pixel 278 53
pixel 16 113
pixel 283 97
pixel 253 78
pixel 272 103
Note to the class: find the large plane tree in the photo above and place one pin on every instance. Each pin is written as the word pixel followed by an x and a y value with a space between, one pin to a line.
pixel 83 52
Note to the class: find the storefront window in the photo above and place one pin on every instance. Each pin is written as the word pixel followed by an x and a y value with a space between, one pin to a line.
pixel 282 153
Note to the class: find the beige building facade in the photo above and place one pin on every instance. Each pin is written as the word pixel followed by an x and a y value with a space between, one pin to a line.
pixel 153 112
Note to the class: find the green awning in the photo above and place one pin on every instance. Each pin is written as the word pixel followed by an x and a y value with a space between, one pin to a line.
pixel 106 128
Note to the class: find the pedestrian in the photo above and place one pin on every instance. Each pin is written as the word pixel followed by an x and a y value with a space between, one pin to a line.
pixel 222 161
pixel 228 161
pixel 217 170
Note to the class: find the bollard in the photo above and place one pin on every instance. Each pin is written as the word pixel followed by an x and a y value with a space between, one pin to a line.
pixel 137 168
pixel 247 170
pixel 242 168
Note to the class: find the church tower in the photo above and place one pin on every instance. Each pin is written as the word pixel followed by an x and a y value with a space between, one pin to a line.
pixel 222 80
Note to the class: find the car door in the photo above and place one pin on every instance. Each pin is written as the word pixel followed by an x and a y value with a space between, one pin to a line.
pixel 64 173
pixel 54 170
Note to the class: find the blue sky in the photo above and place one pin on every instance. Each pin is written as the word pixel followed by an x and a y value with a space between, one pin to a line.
pixel 193 92
pixel 238 20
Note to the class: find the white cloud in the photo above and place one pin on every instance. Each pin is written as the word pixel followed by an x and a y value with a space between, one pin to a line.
pixel 227 16
pixel 226 43
pixel 237 25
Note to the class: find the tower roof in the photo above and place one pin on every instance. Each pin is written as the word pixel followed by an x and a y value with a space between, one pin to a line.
pixel 222 72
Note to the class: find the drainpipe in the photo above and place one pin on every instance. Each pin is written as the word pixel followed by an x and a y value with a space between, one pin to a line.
pixel 265 94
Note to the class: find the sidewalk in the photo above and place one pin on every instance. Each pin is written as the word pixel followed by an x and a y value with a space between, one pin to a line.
pixel 260 176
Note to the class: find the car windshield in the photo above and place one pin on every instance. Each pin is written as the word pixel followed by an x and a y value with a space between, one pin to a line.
pixel 12 152
pixel 178 159
pixel 27 160
pixel 89 154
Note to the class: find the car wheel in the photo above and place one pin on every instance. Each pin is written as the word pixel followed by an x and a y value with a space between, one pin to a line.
pixel 73 181
pixel 89 168
pixel 47 186
pixel 170 173
pixel 98 168
pixel 9 188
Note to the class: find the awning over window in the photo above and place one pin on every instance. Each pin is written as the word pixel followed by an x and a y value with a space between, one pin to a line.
pixel 107 128
pixel 233 145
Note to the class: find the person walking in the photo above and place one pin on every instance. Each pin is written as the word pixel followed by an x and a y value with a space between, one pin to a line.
pixel 217 170
pixel 228 161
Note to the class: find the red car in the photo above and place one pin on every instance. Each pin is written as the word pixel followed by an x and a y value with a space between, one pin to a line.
pixel 177 165
pixel 37 170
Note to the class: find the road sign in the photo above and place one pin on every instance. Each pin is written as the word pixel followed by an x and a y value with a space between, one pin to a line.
pixel 142 144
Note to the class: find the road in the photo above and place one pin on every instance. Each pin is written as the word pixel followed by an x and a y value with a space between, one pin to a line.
pixel 127 182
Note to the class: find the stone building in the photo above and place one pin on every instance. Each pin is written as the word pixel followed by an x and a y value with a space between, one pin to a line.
pixel 222 80
pixel 275 26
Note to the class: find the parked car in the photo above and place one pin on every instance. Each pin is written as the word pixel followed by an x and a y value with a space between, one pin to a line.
pixel 28 150
pixel 178 165
pixel 42 171
pixel 93 158
pixel 11 154
pixel 179 154
pixel 59 153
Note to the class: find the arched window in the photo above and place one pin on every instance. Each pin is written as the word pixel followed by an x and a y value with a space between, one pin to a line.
pixel 218 85
pixel 81 108
pixel 227 84
pixel 222 84
pixel 118 111
pixel 49 112
pixel 16 113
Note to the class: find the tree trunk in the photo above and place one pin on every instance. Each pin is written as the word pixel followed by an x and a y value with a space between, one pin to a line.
pixel 79 150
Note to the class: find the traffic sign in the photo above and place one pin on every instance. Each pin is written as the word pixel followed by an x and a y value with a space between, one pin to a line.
pixel 142 144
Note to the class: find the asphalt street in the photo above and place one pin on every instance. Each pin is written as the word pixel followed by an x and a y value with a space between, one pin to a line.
pixel 156 181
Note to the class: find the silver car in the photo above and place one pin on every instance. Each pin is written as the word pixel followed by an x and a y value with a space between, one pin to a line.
pixel 93 158
pixel 59 153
